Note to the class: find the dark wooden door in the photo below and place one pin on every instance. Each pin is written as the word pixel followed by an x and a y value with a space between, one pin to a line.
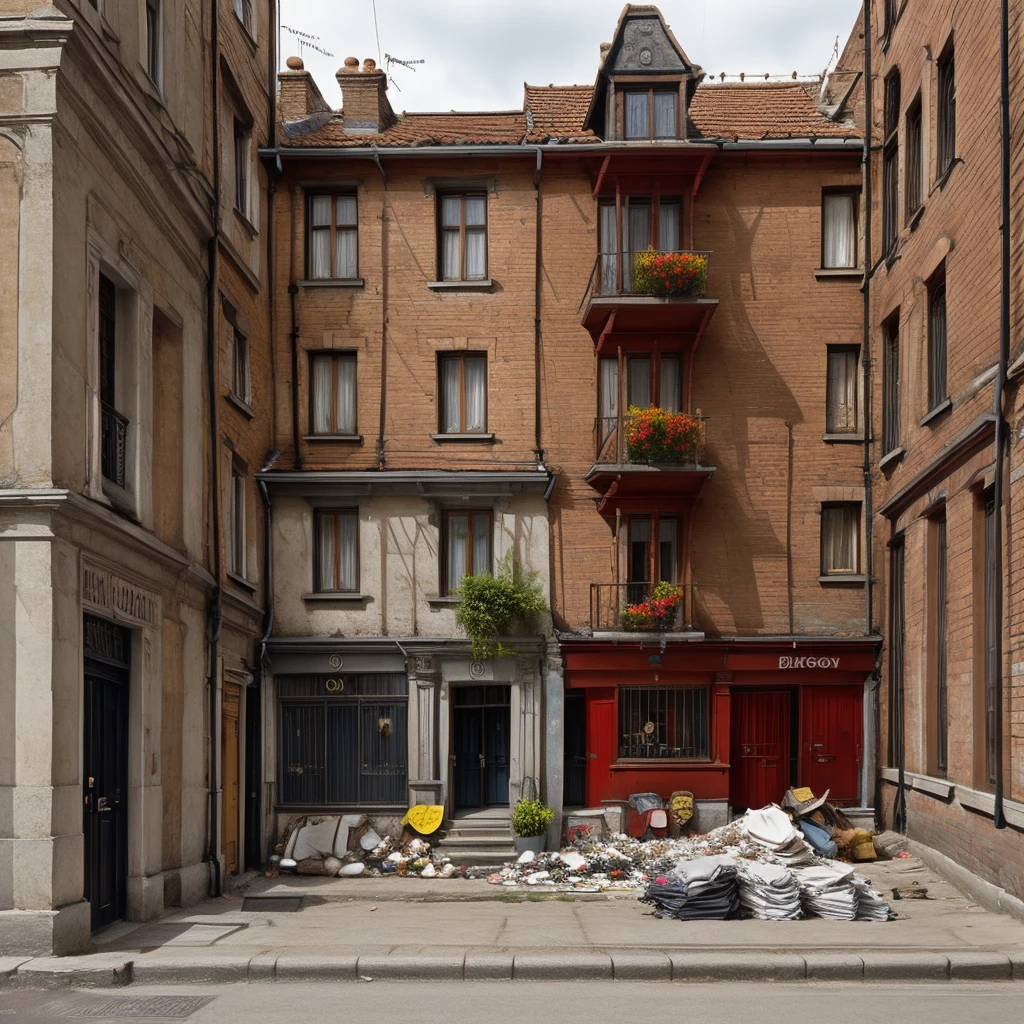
pixel 759 747
pixel 574 750
pixel 602 743
pixel 481 721
pixel 230 704
pixel 105 821
pixel 831 731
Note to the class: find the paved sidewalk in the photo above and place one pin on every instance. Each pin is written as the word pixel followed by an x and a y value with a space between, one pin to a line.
pixel 391 928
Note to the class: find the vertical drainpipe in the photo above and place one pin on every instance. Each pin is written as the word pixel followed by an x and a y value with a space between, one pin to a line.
pixel 866 368
pixel 215 607
pixel 997 402
pixel 381 461
pixel 537 280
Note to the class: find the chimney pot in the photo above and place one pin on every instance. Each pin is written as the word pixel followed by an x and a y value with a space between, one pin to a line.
pixel 351 64
pixel 295 64
pixel 369 64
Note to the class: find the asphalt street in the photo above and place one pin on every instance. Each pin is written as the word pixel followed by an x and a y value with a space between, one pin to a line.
pixel 508 1002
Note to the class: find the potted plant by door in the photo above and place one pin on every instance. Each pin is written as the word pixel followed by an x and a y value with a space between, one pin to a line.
pixel 530 820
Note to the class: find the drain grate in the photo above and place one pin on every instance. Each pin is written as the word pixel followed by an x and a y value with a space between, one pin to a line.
pixel 271 904
pixel 143 1007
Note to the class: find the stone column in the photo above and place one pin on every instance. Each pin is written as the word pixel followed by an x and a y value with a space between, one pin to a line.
pixel 553 705
pixel 425 785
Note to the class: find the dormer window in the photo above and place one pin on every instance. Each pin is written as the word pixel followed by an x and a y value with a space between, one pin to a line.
pixel 651 113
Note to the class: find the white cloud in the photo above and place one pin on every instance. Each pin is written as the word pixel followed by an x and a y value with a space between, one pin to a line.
pixel 478 53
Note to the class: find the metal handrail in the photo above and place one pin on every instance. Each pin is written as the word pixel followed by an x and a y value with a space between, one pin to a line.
pixel 630 608
pixel 610 442
pixel 623 284
pixel 113 444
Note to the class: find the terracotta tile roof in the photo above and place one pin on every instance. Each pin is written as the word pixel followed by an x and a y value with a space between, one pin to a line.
pixel 764 110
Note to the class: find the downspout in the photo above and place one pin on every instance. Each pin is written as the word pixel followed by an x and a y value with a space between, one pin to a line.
pixel 293 291
pixel 381 461
pixel 997 401
pixel 273 171
pixel 216 598
pixel 538 449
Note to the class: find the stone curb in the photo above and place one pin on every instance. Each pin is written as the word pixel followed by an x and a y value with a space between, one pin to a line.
pixel 108 970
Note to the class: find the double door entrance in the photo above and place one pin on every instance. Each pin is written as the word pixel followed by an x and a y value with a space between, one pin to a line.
pixel 481 722
pixel 105 766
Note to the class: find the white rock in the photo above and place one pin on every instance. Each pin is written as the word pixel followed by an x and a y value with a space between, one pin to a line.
pixel 288 863
pixel 574 861
pixel 352 870
pixel 397 857
pixel 429 872
pixel 331 865
pixel 527 857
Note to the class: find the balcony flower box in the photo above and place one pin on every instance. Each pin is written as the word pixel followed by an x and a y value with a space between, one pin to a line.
pixel 658 612
pixel 670 274
pixel 656 435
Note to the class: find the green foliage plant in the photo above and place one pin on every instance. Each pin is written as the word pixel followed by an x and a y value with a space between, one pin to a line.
pixel 531 818
pixel 489 605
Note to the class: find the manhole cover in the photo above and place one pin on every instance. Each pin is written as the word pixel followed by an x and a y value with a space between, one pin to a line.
pixel 271 904
pixel 173 1007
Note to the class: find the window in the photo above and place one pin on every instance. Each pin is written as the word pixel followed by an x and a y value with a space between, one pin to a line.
pixel 652 562
pixel 236 521
pixel 337 552
pixel 651 114
pixel 897 604
pixel 839 229
pixel 463 254
pixel 915 162
pixel 663 722
pixel 993 625
pixel 840 539
pixel 891 385
pixel 646 224
pixel 841 398
pixel 890 163
pixel 343 739
pixel 333 245
pixel 114 426
pixel 891 14
pixel 243 11
pixel 463 387
pixel 240 367
pixel 941 703
pixel 946 112
pixel 243 139
pixel 332 393
pixel 937 339
pixel 467 546
pixel 153 39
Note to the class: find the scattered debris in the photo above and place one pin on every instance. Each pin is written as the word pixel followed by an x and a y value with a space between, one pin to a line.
pixel 914 891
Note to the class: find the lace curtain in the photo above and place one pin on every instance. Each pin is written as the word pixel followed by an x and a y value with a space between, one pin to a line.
pixel 840 248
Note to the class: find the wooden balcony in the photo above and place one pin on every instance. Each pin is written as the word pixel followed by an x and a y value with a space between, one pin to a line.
pixel 649 462
pixel 631 295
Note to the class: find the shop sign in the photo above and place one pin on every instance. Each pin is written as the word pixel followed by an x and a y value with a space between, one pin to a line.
pixel 124 600
pixel 790 661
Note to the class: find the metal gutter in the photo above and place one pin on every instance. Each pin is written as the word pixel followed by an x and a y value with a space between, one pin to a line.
pixel 402 476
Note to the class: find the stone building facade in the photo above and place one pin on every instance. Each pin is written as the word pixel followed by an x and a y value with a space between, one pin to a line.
pixel 133 221
pixel 946 556
pixel 487 246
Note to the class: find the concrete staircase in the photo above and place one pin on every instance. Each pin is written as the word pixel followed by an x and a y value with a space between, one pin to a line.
pixel 478 839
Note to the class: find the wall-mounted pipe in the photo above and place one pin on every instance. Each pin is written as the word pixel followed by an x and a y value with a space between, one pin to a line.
pixel 537 282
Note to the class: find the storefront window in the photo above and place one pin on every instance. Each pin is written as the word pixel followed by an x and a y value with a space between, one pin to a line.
pixel 663 722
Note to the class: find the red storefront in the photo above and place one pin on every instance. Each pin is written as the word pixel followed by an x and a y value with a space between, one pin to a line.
pixel 730 720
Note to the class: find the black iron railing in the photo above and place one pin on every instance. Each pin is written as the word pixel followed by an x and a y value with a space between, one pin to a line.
pixel 641 607
pixel 659 273
pixel 114 445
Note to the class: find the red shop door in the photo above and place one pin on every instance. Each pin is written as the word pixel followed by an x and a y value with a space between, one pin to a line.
pixel 831 738
pixel 759 748
pixel 602 739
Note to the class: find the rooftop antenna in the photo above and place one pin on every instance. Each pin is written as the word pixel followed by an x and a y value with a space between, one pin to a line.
pixel 389 60
pixel 307 41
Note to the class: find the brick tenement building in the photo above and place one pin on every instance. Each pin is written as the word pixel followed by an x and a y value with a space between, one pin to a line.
pixel 935 292
pixel 133 358
pixel 466 351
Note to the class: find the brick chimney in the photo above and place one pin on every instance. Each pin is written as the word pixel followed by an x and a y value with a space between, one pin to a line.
pixel 298 96
pixel 365 103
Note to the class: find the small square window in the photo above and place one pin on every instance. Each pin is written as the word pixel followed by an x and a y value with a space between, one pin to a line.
pixel 337 552
pixel 840 539
pixel 466 546
pixel 463 391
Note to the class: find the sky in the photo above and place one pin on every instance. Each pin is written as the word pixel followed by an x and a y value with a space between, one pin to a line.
pixel 478 53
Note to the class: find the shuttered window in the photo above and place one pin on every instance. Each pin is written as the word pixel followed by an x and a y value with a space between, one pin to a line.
pixel 841 404
pixel 343 740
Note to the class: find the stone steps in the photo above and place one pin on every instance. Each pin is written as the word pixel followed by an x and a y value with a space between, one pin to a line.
pixel 478 842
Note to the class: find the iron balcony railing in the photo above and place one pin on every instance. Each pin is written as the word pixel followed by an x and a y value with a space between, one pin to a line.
pixel 658 273
pixel 113 444
pixel 641 607
pixel 650 437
